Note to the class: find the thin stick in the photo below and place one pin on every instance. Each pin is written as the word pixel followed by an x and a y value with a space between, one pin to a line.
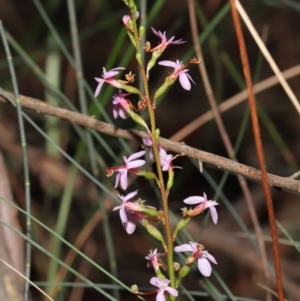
pixel 25 158
pixel 21 275
pixel 233 101
pixel 180 148
pixel 226 141
pixel 258 145
pixel 268 56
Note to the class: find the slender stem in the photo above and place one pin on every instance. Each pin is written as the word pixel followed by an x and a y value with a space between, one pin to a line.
pixel 25 159
pixel 155 146
pixel 226 141
pixel 258 145
pixel 90 145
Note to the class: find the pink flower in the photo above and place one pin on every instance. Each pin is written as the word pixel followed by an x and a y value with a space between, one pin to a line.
pixel 108 78
pixel 199 254
pixel 164 42
pixel 203 204
pixel 153 260
pixel 128 219
pixel 130 165
pixel 120 105
pixel 165 159
pixel 163 286
pixel 184 77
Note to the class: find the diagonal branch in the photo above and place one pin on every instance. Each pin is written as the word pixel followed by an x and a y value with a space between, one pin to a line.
pixel 222 163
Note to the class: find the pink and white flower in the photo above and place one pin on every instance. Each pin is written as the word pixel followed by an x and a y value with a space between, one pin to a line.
pixel 163 287
pixel 120 105
pixel 129 212
pixel 203 204
pixel 165 159
pixel 164 42
pixel 184 77
pixel 203 257
pixel 131 165
pixel 153 259
pixel 108 78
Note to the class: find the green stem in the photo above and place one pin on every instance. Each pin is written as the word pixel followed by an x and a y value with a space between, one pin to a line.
pixel 155 146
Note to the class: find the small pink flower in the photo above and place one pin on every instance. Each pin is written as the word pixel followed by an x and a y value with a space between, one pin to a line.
pixel 130 165
pixel 164 42
pixel 202 256
pixel 165 159
pixel 120 105
pixel 132 218
pixel 203 204
pixel 108 78
pixel 163 286
pixel 153 259
pixel 127 212
pixel 184 77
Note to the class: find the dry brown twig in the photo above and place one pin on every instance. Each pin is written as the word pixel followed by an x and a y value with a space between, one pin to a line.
pixel 222 163
pixel 258 145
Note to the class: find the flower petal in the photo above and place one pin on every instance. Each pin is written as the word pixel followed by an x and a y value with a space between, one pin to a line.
pixel 167 63
pixel 129 196
pixel 155 281
pixel 160 296
pixel 135 164
pixel 123 215
pixel 184 81
pixel 214 214
pixel 134 156
pixel 117 180
pixel 98 89
pixel 172 291
pixel 209 257
pixel 184 248
pixel 194 200
pixel 204 267
pixel 130 226
pixel 123 178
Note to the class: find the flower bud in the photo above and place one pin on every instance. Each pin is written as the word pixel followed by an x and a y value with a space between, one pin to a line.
pixel 162 89
pixel 127 88
pixel 176 266
pixel 184 270
pixel 138 119
pixel 154 232
pixel 170 179
pixel 181 224
pixel 131 37
pixel 141 32
pixel 155 55
pixel 148 175
pixel 134 289
pixel 157 134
